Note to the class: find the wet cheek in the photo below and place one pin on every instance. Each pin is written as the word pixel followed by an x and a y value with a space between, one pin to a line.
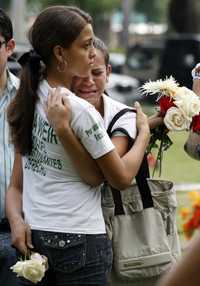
pixel 101 84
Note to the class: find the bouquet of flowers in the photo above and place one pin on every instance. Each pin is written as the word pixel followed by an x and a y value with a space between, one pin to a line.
pixel 32 269
pixel 177 105
pixel 191 215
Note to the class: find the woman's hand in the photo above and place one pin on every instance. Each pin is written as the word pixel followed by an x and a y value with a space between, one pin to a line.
pixel 196 79
pixel 196 72
pixel 142 120
pixel 155 120
pixel 58 110
pixel 21 236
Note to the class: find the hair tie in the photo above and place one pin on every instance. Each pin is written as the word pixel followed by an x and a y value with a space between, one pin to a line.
pixel 30 57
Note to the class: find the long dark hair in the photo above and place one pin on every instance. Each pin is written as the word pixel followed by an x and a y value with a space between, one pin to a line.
pixel 6 29
pixel 56 25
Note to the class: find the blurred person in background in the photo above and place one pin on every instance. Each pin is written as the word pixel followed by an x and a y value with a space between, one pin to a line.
pixel 8 87
pixel 186 272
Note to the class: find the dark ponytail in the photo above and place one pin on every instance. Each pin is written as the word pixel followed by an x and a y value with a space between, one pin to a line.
pixel 22 108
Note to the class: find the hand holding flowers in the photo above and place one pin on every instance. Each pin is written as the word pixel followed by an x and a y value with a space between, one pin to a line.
pixel 32 269
pixel 178 107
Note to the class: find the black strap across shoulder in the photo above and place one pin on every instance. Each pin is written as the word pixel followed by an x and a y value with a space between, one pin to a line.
pixel 116 117
pixel 142 175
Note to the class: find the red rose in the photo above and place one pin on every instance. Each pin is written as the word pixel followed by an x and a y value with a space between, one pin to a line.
pixel 165 102
pixel 196 123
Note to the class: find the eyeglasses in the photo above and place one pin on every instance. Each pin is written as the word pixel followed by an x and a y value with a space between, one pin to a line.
pixel 1 43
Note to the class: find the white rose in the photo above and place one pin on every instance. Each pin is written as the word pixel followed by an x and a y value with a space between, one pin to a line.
pixel 188 102
pixel 18 268
pixel 175 120
pixel 33 270
pixel 41 258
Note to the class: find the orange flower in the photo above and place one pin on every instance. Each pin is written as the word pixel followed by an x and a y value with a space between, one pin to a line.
pixel 184 212
pixel 194 196
pixel 197 204
pixel 191 215
pixel 188 229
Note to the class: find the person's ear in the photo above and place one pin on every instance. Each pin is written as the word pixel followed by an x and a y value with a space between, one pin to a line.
pixel 59 54
pixel 108 71
pixel 10 46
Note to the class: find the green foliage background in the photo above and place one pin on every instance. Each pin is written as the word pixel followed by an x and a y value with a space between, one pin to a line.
pixel 156 10
pixel 95 8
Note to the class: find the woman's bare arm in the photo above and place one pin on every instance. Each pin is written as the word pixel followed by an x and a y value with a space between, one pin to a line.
pixel 20 231
pixel 119 173
pixel 56 109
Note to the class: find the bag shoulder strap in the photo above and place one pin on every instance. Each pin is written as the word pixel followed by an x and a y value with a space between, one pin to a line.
pixel 142 175
pixel 116 117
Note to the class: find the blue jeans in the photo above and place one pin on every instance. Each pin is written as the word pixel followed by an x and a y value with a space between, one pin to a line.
pixel 7 259
pixel 74 259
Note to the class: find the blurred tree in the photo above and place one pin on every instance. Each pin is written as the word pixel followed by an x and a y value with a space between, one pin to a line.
pixel 184 16
pixel 95 8
pixel 99 10
pixel 155 10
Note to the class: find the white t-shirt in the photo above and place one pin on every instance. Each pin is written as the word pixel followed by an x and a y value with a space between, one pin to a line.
pixel 127 121
pixel 55 198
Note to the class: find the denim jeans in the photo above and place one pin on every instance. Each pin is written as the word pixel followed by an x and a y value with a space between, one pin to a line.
pixel 74 259
pixel 7 259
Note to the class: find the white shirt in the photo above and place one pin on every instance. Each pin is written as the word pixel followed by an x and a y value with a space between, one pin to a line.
pixel 55 198
pixel 6 148
pixel 127 121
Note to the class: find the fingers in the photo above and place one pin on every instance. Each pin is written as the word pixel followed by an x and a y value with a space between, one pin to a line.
pixel 19 243
pixel 138 108
pixel 54 97
pixel 137 105
pixel 196 72
pixel 28 237
pixel 65 101
pixel 21 238
pixel 57 97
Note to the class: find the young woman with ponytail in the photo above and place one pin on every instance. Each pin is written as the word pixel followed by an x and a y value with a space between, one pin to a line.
pixel 53 202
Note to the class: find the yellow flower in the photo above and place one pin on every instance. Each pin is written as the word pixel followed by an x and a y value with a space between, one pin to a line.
pixel 194 196
pixel 184 212
pixel 197 204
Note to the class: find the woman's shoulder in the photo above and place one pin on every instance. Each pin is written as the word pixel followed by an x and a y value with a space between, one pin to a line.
pixel 74 99
pixel 112 107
